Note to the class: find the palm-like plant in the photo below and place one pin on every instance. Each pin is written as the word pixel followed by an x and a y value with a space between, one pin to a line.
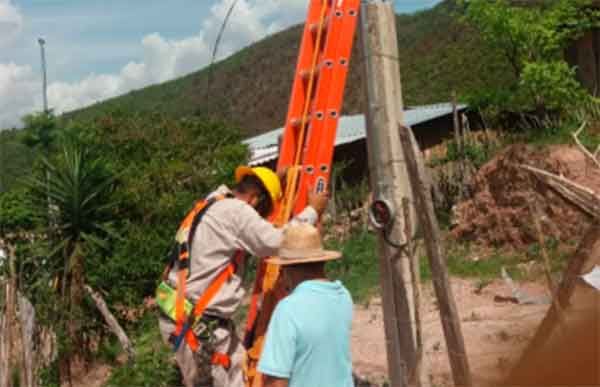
pixel 74 195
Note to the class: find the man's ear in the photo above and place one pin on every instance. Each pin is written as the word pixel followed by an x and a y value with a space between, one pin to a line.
pixel 253 200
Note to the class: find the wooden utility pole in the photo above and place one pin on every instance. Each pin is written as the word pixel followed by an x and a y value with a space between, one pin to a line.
pixel 390 184
pixel 437 261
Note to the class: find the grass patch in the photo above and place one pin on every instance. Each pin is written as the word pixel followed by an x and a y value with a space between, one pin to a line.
pixel 152 366
pixel 461 263
pixel 359 268
pixel 558 253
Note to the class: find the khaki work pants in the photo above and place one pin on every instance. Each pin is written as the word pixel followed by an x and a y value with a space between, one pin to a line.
pixel 195 374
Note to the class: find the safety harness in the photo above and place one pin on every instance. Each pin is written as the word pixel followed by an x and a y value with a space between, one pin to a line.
pixel 183 312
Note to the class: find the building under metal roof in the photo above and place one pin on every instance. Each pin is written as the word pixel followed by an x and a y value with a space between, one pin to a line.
pixel 264 148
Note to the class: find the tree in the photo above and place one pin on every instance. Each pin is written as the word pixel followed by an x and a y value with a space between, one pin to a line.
pixel 15 159
pixel 533 39
pixel 40 130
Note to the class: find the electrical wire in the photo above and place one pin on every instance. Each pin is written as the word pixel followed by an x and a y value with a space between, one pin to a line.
pixel 216 48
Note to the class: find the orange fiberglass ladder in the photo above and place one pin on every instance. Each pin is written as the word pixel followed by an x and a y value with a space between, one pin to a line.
pixel 308 142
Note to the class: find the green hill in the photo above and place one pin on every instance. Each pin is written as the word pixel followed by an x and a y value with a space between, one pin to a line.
pixel 438 54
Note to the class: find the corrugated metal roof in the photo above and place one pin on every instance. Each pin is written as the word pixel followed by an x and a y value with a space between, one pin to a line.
pixel 263 147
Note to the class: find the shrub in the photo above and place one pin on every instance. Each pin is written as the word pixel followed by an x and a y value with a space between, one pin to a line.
pixel 533 40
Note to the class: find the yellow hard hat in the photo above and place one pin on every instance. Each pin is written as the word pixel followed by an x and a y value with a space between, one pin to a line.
pixel 269 179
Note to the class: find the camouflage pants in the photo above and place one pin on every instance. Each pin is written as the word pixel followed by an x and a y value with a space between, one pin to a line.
pixel 197 369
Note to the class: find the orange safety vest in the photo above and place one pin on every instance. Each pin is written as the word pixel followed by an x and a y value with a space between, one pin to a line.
pixel 180 254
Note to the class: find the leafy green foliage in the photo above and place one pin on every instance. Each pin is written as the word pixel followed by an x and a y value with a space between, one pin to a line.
pixel 551 85
pixel 476 152
pixel 359 268
pixel 40 130
pixel 162 166
pixel 152 365
pixel 16 159
pixel 533 40
pixel 15 211
pixel 348 196
pixel 128 180
pixel 74 192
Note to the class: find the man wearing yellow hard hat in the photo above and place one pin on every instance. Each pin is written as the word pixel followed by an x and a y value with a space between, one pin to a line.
pixel 234 223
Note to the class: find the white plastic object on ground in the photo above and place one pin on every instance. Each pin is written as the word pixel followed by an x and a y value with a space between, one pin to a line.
pixel 593 278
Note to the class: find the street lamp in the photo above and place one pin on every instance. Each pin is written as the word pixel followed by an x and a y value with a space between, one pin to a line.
pixel 42 42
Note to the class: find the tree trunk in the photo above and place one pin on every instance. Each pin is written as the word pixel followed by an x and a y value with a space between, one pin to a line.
pixel 112 322
pixel 66 328
pixel 27 322
pixel 4 346
pixel 74 297
pixel 8 322
pixel 585 55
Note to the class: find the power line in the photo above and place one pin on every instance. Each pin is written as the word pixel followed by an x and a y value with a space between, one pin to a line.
pixel 216 47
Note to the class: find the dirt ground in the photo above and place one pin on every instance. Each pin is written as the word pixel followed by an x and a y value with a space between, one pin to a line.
pixel 495 333
pixel 498 213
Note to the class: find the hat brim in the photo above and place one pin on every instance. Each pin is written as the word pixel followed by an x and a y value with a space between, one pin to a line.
pixel 242 171
pixel 324 255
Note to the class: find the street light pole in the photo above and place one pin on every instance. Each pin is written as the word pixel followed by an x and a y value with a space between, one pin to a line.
pixel 42 42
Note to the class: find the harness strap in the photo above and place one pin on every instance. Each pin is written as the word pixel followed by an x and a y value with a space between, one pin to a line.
pixel 183 330
pixel 190 222
pixel 212 290
pixel 222 359
pixel 183 325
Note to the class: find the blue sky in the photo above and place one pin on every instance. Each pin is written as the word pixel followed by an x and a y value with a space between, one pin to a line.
pixel 98 36
pixel 100 48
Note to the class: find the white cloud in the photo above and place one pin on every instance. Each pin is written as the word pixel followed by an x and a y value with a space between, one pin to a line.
pixel 18 89
pixel 11 22
pixel 162 59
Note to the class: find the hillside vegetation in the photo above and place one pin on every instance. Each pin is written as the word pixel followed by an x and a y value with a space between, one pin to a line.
pixel 438 53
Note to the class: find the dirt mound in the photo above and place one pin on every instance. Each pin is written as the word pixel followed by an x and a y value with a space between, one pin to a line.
pixel 498 214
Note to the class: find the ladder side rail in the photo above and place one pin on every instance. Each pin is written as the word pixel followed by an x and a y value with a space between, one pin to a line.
pixel 336 97
pixel 298 96
pixel 327 70
pixel 319 154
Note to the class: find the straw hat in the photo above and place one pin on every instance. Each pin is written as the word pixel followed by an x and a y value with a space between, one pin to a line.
pixel 302 244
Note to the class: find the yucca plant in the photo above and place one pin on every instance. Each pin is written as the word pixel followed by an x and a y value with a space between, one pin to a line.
pixel 73 194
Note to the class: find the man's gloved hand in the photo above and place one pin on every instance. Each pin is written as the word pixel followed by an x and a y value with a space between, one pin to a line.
pixel 318 201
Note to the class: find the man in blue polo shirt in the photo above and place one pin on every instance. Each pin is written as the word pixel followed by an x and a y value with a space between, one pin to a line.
pixel 308 339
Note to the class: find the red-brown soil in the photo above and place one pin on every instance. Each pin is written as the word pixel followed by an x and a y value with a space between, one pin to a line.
pixel 498 214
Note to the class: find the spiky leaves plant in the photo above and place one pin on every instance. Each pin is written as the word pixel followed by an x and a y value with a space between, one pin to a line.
pixel 73 194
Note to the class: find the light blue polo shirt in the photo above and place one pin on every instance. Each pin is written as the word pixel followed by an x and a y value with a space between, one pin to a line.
pixel 308 340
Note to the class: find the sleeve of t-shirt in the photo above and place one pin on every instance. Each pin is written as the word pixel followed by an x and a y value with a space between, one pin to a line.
pixel 277 358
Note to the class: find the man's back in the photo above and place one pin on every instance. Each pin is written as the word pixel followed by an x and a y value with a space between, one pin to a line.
pixel 308 340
